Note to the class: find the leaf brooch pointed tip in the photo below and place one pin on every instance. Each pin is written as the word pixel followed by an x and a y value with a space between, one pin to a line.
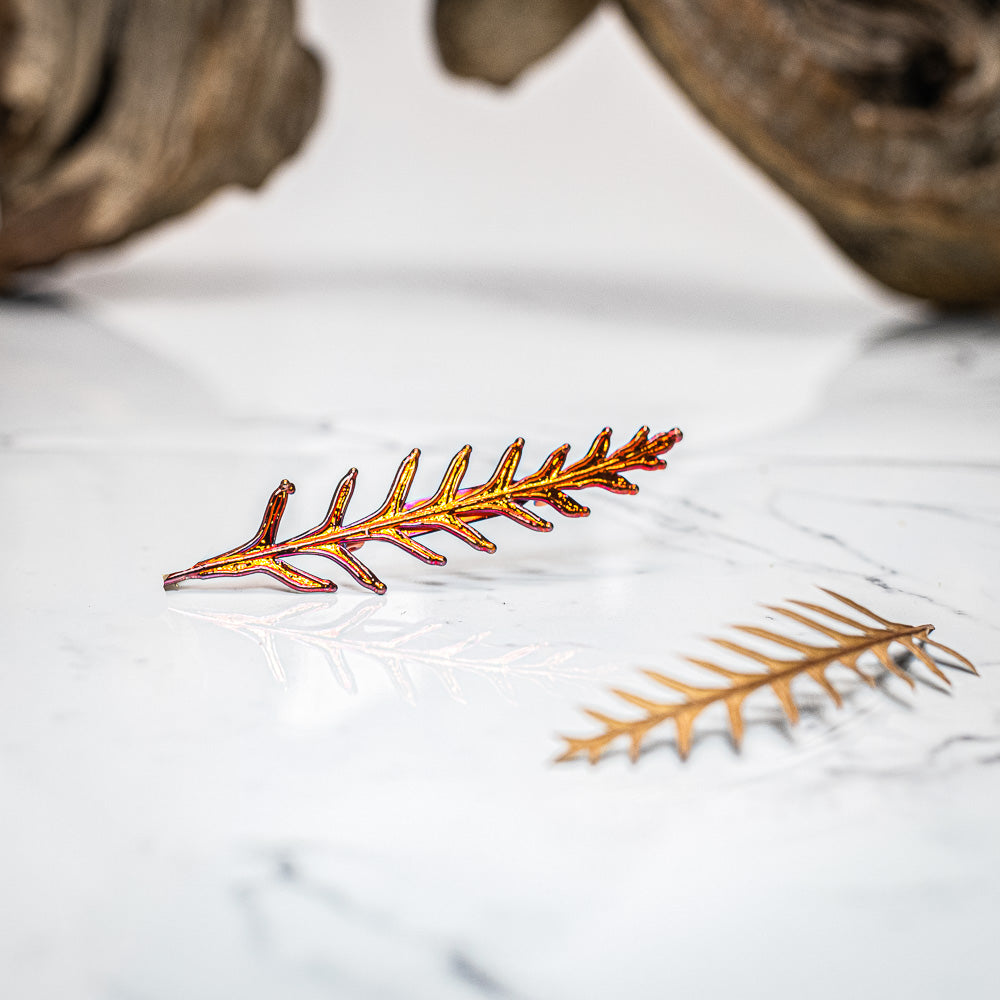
pixel 809 658
pixel 452 509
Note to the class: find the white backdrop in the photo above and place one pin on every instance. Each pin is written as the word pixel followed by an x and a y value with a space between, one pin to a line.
pixel 591 162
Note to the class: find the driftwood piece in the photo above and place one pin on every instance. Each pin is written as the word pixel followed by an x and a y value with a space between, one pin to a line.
pixel 881 119
pixel 495 40
pixel 117 114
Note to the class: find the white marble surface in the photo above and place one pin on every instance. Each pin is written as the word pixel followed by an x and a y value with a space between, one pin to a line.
pixel 238 791
pixel 235 791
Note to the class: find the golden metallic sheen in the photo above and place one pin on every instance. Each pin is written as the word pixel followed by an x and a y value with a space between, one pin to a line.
pixel 451 509
pixel 809 660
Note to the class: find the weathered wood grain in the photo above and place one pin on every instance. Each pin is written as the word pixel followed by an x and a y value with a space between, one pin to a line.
pixel 881 119
pixel 118 114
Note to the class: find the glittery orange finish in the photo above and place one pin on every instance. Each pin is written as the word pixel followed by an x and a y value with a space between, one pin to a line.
pixel 811 660
pixel 450 509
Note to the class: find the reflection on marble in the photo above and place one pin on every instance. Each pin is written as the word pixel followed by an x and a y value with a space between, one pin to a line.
pixel 394 646
pixel 177 824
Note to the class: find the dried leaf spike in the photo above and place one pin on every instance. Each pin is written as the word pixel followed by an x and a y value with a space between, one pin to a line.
pixel 809 659
pixel 451 509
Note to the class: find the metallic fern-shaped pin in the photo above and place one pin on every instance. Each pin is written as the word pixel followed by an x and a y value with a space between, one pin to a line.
pixel 810 660
pixel 451 509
